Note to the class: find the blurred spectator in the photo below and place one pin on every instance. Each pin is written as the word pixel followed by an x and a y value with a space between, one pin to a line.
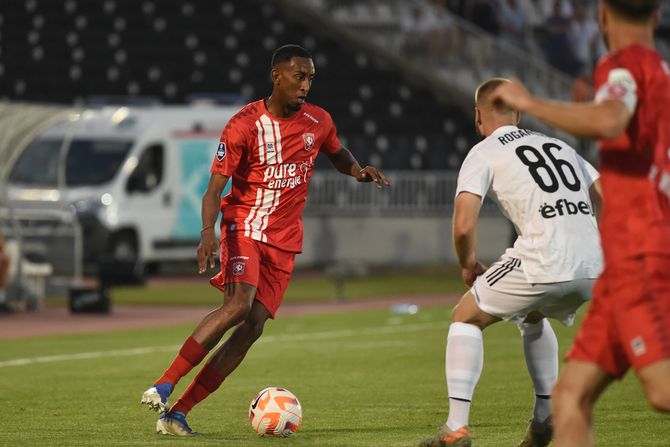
pixel 513 22
pixel 4 271
pixel 553 8
pixel 585 39
pixel 456 6
pixel 665 15
pixel 556 41
pixel 483 13
pixel 430 32
pixel 531 10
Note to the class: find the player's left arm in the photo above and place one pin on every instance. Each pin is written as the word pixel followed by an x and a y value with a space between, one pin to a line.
pixel 605 118
pixel 345 162
pixel 592 178
pixel 466 213
pixel 596 195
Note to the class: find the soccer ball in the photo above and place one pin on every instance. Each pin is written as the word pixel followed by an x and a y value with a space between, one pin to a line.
pixel 275 412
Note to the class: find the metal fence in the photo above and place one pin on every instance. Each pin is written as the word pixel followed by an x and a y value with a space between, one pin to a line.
pixel 45 245
pixel 45 249
pixel 427 193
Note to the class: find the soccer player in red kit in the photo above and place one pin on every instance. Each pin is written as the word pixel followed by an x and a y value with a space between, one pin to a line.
pixel 628 323
pixel 268 151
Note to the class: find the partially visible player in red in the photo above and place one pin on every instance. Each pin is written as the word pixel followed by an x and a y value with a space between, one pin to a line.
pixel 4 271
pixel 628 323
pixel 268 151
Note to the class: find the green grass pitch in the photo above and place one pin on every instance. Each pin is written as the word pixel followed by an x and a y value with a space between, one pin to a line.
pixel 369 378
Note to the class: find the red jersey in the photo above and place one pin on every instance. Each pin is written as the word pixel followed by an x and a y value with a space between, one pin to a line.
pixel 270 161
pixel 635 168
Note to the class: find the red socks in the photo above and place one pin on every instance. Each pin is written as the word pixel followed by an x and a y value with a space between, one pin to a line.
pixel 190 355
pixel 205 383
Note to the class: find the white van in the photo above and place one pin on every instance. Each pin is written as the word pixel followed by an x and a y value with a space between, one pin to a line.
pixel 134 178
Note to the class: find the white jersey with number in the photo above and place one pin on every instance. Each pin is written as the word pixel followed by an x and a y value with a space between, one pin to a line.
pixel 542 185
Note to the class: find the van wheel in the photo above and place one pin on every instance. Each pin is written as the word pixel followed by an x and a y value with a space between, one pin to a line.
pixel 124 246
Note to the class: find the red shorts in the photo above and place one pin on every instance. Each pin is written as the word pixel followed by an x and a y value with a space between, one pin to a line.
pixel 265 267
pixel 628 323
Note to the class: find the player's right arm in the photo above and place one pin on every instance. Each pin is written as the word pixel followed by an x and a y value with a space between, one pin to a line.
pixel 228 154
pixel 466 213
pixel 474 180
pixel 605 118
pixel 211 201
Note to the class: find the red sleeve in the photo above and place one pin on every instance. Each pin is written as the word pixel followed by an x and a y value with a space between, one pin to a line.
pixel 331 143
pixel 601 71
pixel 229 152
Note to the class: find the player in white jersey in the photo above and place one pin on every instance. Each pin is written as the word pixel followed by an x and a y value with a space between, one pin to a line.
pixel 548 192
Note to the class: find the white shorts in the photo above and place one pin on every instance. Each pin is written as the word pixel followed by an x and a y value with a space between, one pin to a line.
pixel 504 292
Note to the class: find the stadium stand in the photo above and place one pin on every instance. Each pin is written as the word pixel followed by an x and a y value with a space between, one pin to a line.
pixel 86 52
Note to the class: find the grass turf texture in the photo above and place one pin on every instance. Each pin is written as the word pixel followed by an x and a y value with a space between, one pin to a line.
pixel 305 287
pixel 364 379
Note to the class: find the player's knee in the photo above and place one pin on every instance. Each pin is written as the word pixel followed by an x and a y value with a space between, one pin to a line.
pixel 461 314
pixel 564 394
pixel 256 329
pixel 465 314
pixel 570 398
pixel 237 310
pixel 659 399
pixel 248 332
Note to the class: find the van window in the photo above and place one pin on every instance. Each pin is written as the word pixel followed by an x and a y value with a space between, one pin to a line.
pixel 91 162
pixel 88 162
pixel 38 164
pixel 149 171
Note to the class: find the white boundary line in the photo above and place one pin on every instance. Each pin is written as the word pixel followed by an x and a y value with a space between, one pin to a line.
pixel 391 329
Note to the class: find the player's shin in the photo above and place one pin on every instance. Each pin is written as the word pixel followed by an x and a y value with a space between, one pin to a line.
pixel 205 383
pixel 190 355
pixel 541 352
pixel 464 363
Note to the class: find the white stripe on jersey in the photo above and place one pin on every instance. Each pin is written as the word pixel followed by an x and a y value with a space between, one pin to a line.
pixel 266 217
pixel 267 200
pixel 253 211
pixel 259 222
pixel 277 135
pixel 270 141
pixel 261 143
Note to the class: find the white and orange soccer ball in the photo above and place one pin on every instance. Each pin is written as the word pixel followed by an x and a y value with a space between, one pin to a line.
pixel 275 412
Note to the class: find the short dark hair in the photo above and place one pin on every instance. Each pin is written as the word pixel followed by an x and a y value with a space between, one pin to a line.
pixel 634 10
pixel 486 88
pixel 286 52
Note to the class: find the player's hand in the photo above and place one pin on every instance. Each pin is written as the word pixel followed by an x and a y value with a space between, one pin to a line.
pixel 470 274
pixel 207 249
pixel 371 174
pixel 514 95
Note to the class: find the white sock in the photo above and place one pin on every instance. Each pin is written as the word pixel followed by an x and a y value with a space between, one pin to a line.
pixel 464 362
pixel 541 351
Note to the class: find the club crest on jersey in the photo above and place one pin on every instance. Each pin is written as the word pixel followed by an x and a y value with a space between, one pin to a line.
pixel 238 268
pixel 617 91
pixel 270 147
pixel 308 138
pixel 221 151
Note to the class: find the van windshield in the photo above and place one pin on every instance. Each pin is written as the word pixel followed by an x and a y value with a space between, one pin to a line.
pixel 88 162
